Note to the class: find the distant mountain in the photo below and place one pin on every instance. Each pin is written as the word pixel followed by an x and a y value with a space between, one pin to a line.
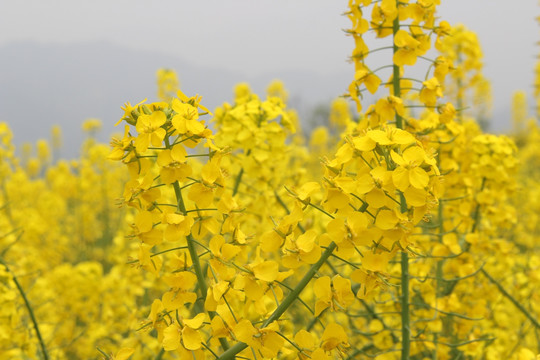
pixel 46 84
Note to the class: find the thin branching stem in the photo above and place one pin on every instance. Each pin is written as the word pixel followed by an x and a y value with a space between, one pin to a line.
pixel 287 302
pixel 44 352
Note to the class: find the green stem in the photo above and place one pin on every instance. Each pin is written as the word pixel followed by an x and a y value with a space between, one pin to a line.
pixel 293 295
pixel 201 282
pixel 405 319
pixel 160 355
pixel 237 181
pixel 179 199
pixel 30 311
pixel 405 316
pixel 476 214
pixel 396 75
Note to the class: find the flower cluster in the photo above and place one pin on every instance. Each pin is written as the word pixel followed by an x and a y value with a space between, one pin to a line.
pixel 403 231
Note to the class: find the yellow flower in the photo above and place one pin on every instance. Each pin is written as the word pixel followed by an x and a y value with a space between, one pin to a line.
pixel 186 119
pixel 172 337
pixel 221 249
pixel 91 125
pixel 201 194
pixel 334 336
pixel 176 336
pixel 168 84
pixel 386 220
pixel 408 48
pixel 150 130
pixel 178 226
pixel 335 293
pixel 302 250
pixel 364 76
pixel 123 354
pixel 431 90
pixel 119 147
pixel 265 340
pixel 376 262
pixel 130 112
pixel 409 170
pixel 173 166
pixel 266 271
pixel 388 107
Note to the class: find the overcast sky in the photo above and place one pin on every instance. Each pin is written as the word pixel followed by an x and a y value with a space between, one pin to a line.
pixel 261 36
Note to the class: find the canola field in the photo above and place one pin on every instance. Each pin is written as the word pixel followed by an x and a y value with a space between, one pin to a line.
pixel 400 230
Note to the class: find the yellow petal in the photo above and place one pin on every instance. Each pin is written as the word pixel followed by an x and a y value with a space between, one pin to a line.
pixel 403 137
pixel 215 244
pixel 266 271
pixel 202 195
pixel 414 155
pixel 415 197
pixel 342 291
pixel 173 218
pixel 155 309
pixel 157 137
pixel 157 118
pixel 344 153
pixel 164 158
pixel 196 322
pixel 143 221
pixel 375 262
pixel 320 354
pixel 273 343
pixel 229 251
pixel 376 198
pixel 226 203
pixel 171 337
pixel 346 184
pixel 304 339
pixel 172 300
pixel 244 331
pixel 418 178
pixel 306 241
pixel 124 353
pixel 271 241
pixel 192 338
pixel 194 126
pixel 178 153
pixel 333 336
pixel 403 39
pixel 357 222
pixel 400 178
pixel 335 199
pixel 364 183
pixel 372 83
pixel 180 280
pixel 307 190
pixel 364 143
pixel 386 220
pixel 379 136
pixel 311 257
pixel 322 288
pixel 152 237
pixel 398 159
pixel 210 172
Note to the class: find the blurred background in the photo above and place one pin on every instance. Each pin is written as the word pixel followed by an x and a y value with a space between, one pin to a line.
pixel 65 61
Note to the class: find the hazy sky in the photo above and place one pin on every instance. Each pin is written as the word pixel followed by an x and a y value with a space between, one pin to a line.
pixel 261 36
